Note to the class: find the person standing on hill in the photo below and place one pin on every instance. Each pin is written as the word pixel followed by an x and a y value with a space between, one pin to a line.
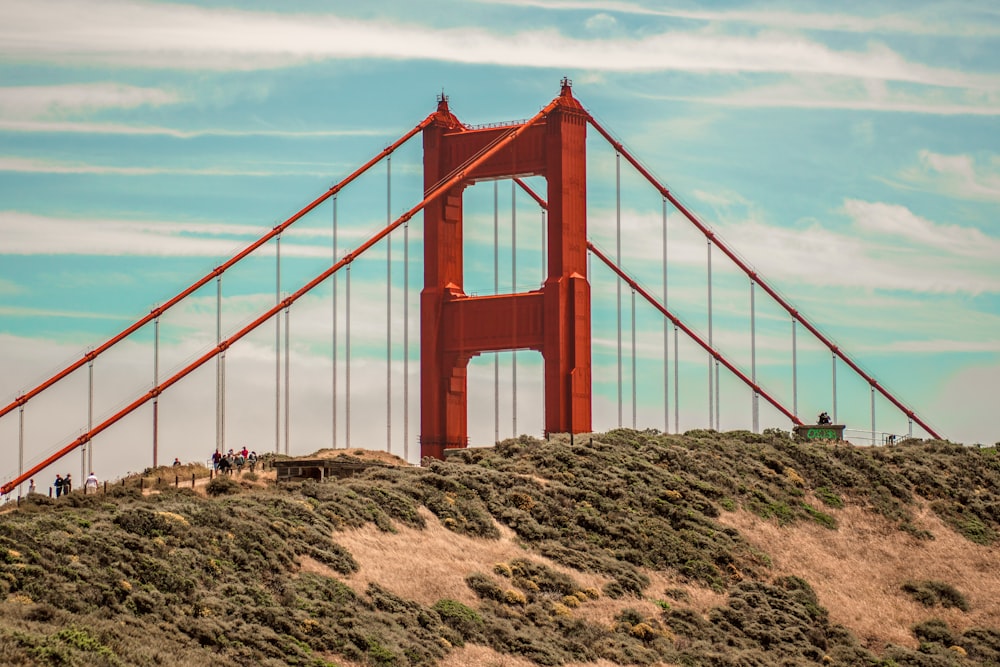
pixel 90 483
pixel 67 485
pixel 59 485
pixel 31 486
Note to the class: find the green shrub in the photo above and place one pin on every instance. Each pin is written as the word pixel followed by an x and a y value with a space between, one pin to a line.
pixel 465 620
pixel 930 593
pixel 934 631
pixel 222 485
pixel 484 587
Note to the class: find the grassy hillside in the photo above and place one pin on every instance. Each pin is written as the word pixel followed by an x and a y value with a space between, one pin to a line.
pixel 629 548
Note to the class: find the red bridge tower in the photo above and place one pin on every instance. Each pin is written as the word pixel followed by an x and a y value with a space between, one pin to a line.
pixel 554 320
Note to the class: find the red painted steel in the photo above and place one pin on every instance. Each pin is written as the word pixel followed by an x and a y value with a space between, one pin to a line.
pixel 156 312
pixel 554 320
pixel 754 276
pixel 691 334
pixel 429 198
pixel 534 195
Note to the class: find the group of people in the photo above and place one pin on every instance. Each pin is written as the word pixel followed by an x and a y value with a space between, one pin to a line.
pixel 64 485
pixel 225 463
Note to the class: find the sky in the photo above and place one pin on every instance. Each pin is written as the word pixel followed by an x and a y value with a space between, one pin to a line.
pixel 849 153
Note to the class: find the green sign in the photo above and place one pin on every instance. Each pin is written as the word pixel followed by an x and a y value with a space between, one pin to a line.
pixel 821 434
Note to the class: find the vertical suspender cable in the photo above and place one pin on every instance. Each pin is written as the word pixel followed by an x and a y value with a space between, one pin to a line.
pixel 795 373
pixel 873 416
pixel 20 445
pixel 90 411
pixel 718 401
pixel 666 331
pixel 334 355
pixel 496 290
pixel 677 394
pixel 287 372
pixel 347 360
pixel 406 340
pixel 86 446
pixel 753 356
pixel 388 306
pixel 711 412
pixel 618 261
pixel 513 288
pixel 218 364
pixel 156 385
pixel 633 363
pixel 277 346
pixel 834 357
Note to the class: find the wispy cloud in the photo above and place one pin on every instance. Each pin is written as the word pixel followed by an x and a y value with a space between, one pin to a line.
pixel 35 166
pixel 8 287
pixel 136 34
pixel 928 22
pixel 838 92
pixel 886 247
pixel 71 99
pixel 23 311
pixel 71 127
pixel 70 109
pixel 960 176
pixel 898 223
pixel 30 234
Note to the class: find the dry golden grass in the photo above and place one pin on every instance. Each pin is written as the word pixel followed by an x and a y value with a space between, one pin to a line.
pixel 430 564
pixel 473 655
pixel 313 566
pixel 363 454
pixel 857 570
pixel 604 610
pixel 482 656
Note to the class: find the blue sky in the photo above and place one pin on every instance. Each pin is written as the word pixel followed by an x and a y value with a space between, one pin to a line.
pixel 850 154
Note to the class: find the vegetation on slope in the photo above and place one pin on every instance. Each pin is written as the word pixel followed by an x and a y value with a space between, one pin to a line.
pixel 179 578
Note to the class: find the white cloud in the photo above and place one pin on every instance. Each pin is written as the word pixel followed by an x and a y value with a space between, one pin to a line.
pixel 898 223
pixel 960 176
pixel 941 23
pixel 601 23
pixel 30 234
pixel 842 92
pixel 124 129
pixel 886 248
pixel 54 102
pixel 134 34
pixel 36 166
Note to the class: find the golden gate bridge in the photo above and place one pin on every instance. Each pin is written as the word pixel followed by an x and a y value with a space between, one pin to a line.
pixel 555 319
